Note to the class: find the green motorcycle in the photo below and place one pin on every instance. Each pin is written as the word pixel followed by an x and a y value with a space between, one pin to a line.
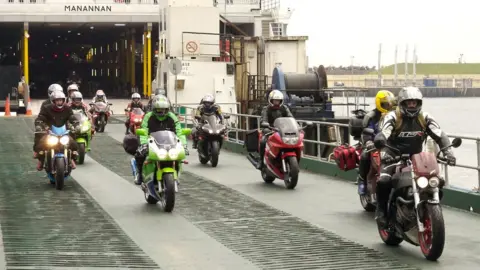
pixel 83 134
pixel 162 167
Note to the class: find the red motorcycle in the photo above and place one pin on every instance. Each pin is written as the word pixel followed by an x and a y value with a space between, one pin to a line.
pixel 101 113
pixel 136 118
pixel 414 213
pixel 283 151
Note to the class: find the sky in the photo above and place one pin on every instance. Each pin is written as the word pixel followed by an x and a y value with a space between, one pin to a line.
pixel 340 29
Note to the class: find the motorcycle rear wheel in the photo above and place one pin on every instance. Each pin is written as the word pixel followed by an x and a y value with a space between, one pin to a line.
pixel 366 204
pixel 292 162
pixel 59 173
pixel 432 240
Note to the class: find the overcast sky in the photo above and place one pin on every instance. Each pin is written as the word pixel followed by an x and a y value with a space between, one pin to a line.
pixel 339 29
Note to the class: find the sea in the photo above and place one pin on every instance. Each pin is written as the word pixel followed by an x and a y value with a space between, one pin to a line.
pixel 456 116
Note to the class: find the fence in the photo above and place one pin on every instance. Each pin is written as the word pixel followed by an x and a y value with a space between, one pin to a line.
pixel 239 124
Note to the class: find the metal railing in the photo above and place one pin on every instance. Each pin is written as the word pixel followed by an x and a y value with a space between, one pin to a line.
pixel 239 123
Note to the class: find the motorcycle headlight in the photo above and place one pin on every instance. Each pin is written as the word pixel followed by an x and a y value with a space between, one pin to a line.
pixel 52 140
pixel 422 182
pixel 162 153
pixel 64 140
pixel 434 182
pixel 137 120
pixel 85 128
pixel 173 153
pixel 290 140
pixel 210 131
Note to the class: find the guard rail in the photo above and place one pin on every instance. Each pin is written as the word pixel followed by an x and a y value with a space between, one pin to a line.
pixel 236 120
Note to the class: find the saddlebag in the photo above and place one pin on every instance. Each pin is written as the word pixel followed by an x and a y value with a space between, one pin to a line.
pixel 131 144
pixel 346 157
pixel 355 124
pixel 252 140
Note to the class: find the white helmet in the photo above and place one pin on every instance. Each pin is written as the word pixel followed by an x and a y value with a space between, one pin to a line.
pixel 76 95
pixel 54 87
pixel 273 96
pixel 72 87
pixel 58 95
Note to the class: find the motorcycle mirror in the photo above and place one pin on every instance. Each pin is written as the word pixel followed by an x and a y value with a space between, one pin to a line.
pixel 368 131
pixel 456 142
pixel 186 131
pixel 110 104
pixel 198 117
pixel 141 132
pixel 264 125
pixel 227 117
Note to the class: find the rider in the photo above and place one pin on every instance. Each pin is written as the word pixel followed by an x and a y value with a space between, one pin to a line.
pixel 207 106
pixel 160 118
pixel 134 104
pixel 384 101
pixel 272 111
pixel 55 114
pixel 77 104
pixel 70 89
pixel 406 129
pixel 100 97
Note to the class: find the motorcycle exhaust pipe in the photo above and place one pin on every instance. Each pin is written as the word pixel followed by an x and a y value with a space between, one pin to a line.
pixel 403 201
pixel 252 159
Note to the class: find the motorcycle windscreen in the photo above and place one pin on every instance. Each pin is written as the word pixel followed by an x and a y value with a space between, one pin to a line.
pixel 137 111
pixel 59 130
pixel 81 117
pixel 165 138
pixel 286 126
pixel 211 124
pixel 100 106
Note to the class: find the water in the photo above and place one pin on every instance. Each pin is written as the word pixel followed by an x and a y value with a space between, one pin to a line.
pixel 456 116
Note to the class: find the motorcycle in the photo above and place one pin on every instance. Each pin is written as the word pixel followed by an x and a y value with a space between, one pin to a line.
pixel 210 139
pixel 83 134
pixel 414 213
pixel 136 117
pixel 283 151
pixel 58 162
pixel 369 199
pixel 100 115
pixel 162 166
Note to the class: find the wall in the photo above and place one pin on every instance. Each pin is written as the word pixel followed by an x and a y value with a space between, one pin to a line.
pixel 208 45
pixel 64 11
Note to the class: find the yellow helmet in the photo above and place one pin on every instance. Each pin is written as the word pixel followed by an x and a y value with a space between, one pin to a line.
pixel 384 101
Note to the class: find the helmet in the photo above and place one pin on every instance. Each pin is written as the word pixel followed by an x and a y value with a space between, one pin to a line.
pixel 99 93
pixel 76 97
pixel 410 94
pixel 159 91
pixel 72 87
pixel 208 101
pixel 160 105
pixel 54 87
pixel 275 95
pixel 57 96
pixel 136 97
pixel 384 101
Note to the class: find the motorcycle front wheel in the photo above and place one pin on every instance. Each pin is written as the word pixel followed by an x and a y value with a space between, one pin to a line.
pixel 81 153
pixel 59 173
pixel 294 170
pixel 432 240
pixel 168 196
pixel 214 152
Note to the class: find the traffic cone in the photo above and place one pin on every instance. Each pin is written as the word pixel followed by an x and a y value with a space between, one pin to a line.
pixel 29 107
pixel 7 106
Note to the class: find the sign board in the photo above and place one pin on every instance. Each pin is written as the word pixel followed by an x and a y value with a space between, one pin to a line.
pixel 175 66
pixel 88 8
pixel 191 47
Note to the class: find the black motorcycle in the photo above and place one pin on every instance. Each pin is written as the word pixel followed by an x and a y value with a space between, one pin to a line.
pixel 210 139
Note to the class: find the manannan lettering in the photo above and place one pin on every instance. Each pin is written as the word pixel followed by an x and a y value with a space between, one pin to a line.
pixel 88 8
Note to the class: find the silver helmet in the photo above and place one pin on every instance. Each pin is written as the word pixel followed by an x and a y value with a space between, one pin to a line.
pixel 407 94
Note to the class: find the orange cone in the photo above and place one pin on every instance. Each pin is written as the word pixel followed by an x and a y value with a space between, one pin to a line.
pixel 7 106
pixel 29 107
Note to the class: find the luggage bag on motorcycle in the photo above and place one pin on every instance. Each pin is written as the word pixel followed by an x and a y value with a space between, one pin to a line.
pixel 131 144
pixel 346 157
pixel 355 123
pixel 251 140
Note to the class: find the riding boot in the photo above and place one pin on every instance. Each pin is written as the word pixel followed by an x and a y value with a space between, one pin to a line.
pixel 41 159
pixel 361 185
pixel 139 179
pixel 195 142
